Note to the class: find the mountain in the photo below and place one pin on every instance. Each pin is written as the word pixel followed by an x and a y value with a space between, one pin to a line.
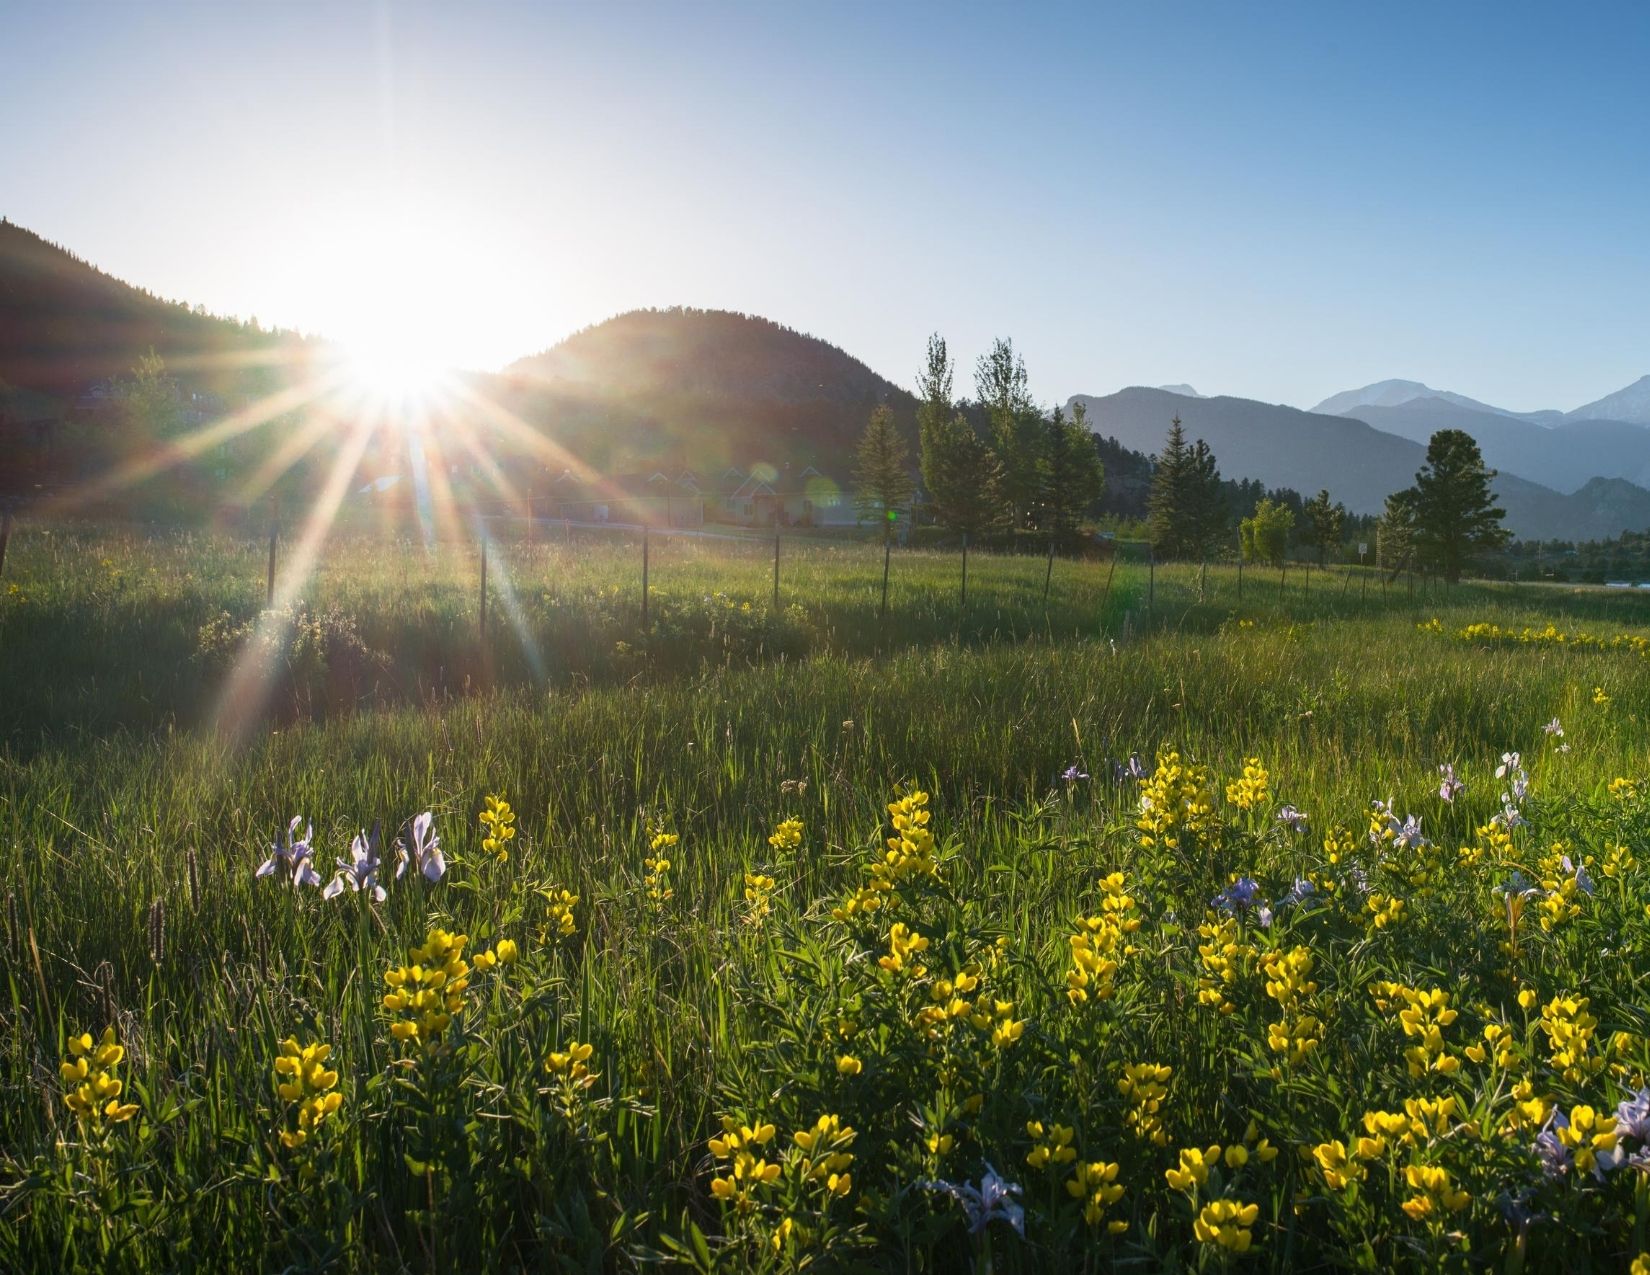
pixel 1281 446
pixel 65 324
pixel 1398 393
pixel 1630 404
pixel 1564 456
pixel 1186 390
pixel 702 388
pixel 1357 463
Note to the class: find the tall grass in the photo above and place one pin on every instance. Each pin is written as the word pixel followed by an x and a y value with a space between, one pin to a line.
pixel 127 849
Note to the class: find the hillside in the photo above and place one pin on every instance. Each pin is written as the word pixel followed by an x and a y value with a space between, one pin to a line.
pixel 1357 463
pixel 702 388
pixel 65 324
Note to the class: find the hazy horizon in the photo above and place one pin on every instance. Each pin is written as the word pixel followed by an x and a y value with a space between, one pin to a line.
pixel 1278 205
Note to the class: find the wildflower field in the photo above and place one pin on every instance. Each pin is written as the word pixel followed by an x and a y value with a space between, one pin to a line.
pixel 1271 934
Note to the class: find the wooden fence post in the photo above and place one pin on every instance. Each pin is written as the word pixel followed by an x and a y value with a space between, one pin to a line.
pixel 1151 581
pixel 482 628
pixel 1105 597
pixel 776 569
pixel 644 575
pixel 5 537
pixel 965 570
pixel 274 531
pixel 887 551
pixel 1048 575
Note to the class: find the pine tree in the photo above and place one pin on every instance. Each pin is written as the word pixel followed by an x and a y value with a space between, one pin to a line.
pixel 882 479
pixel 1074 476
pixel 1016 433
pixel 961 475
pixel 1325 521
pixel 1169 506
pixel 1395 532
pixel 1207 517
pixel 1456 514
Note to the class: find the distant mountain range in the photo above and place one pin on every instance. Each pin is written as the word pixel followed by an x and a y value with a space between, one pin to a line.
pixel 1359 462
pixel 1399 393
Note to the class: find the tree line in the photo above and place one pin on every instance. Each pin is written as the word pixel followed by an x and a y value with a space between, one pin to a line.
pixel 1004 464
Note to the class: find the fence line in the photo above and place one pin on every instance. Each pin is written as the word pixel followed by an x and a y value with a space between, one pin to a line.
pixel 1198 593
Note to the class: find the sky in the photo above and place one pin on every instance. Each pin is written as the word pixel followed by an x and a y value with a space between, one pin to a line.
pixel 1277 201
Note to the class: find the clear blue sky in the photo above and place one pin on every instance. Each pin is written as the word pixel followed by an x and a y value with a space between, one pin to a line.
pixel 1273 200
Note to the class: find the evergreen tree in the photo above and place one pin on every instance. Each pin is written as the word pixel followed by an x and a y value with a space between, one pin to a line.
pixel 1456 514
pixel 1016 427
pixel 1170 506
pixel 961 475
pixel 1074 476
pixel 1325 521
pixel 882 480
pixel 1207 516
pixel 1395 532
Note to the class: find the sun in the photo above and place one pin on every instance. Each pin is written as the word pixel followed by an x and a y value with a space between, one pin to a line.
pixel 392 371
pixel 390 374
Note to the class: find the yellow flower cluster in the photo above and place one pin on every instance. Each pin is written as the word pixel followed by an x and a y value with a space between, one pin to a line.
pixel 787 836
pixel 1587 1134
pixel 426 993
pixel 1434 1194
pixel 1174 803
pixel 1227 1223
pixel 1095 1184
pixel 1289 983
pixel 1552 635
pixel 1498 1043
pixel 1569 1028
pixel 308 1086
pixel 825 1155
pixel 1385 910
pixel 1339 844
pixel 1145 1086
pixel 746 1172
pixel 571 1066
pixel 1252 789
pixel 1099 942
pixel 504 952
pixel 758 897
pixel 1423 1016
pixel 1225 958
pixel 904 945
pixel 1622 788
pixel 561 921
pixel 91 1088
pixel 1050 1146
pixel 656 874
pixel 908 855
pixel 499 822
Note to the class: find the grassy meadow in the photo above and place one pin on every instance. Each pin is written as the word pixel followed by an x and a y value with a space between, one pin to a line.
pixel 1019 936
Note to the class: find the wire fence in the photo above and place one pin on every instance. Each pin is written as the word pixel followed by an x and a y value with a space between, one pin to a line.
pixel 1099 586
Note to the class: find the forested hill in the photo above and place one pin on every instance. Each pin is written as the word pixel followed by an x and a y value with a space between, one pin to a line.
pixel 703 387
pixel 65 324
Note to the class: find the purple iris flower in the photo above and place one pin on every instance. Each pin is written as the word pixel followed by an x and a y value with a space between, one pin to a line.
pixel 296 853
pixel 1293 819
pixel 1241 894
pixel 1449 787
pixel 425 851
pixel 1074 774
pixel 992 1201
